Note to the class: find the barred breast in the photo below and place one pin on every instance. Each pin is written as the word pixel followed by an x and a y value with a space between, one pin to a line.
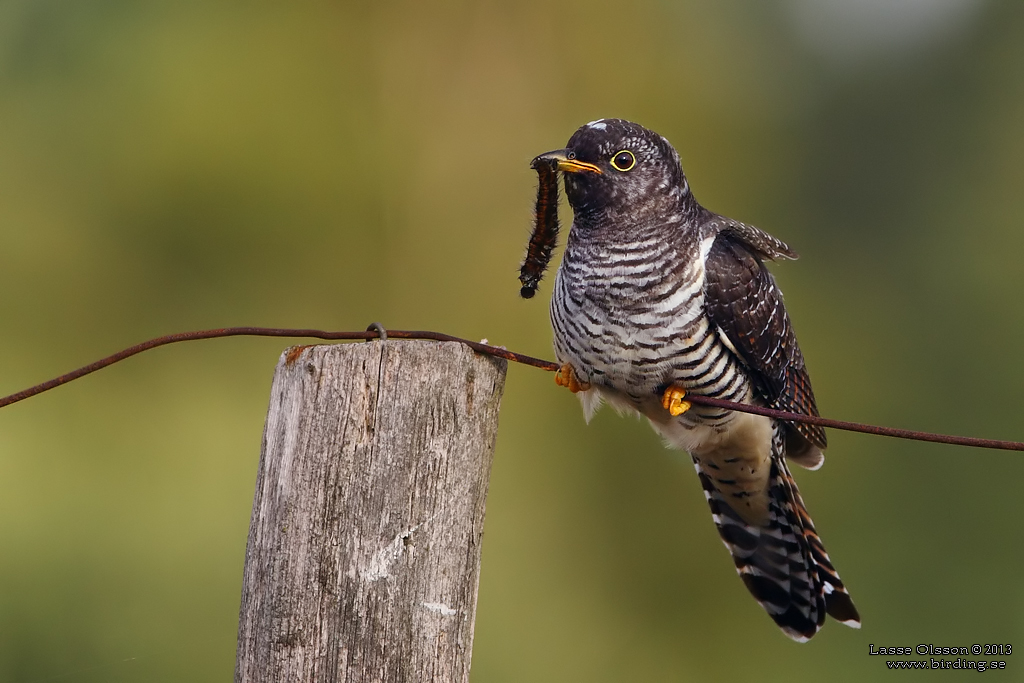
pixel 630 318
pixel 654 290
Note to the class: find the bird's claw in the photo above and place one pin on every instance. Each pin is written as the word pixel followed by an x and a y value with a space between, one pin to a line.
pixel 672 401
pixel 566 377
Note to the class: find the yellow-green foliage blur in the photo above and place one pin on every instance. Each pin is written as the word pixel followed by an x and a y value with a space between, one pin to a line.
pixel 176 166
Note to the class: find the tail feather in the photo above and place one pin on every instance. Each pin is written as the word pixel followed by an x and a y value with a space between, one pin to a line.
pixel 838 603
pixel 783 564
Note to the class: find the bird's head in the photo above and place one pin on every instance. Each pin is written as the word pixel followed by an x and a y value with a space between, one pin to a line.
pixel 619 168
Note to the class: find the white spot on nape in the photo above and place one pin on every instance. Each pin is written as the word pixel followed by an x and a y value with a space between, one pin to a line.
pixel 598 124
pixel 441 608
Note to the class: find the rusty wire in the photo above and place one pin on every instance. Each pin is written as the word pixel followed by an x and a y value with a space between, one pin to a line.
pixel 377 332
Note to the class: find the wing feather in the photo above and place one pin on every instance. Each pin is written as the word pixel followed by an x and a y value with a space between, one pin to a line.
pixel 743 300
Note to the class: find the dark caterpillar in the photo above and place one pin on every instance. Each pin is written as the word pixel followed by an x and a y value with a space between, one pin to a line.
pixel 545 229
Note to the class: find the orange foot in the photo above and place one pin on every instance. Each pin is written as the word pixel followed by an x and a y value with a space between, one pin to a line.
pixel 566 377
pixel 672 401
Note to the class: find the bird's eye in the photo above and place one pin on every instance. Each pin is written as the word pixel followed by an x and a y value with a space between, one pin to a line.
pixel 623 161
pixel 570 156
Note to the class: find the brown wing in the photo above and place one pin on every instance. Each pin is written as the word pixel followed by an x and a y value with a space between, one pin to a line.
pixel 743 300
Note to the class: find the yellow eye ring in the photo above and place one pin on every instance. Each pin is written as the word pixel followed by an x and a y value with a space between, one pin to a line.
pixel 623 160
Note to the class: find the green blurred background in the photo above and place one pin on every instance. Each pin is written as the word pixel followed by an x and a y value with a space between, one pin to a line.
pixel 186 165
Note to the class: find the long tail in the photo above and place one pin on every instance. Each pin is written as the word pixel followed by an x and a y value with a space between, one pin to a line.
pixel 784 564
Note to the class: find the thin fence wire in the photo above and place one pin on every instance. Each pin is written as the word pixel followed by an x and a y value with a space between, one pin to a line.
pixel 376 331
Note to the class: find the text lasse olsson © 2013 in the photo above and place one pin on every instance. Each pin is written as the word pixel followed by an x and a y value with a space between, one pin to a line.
pixel 976 649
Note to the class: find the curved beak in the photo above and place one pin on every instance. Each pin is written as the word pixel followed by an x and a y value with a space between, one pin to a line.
pixel 560 159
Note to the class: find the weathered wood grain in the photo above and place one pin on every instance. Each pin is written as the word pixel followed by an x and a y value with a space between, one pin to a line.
pixel 364 548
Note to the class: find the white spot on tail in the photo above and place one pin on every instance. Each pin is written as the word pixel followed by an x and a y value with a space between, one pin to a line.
pixel 795 635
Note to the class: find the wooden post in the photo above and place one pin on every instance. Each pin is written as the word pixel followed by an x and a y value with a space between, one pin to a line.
pixel 364 548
